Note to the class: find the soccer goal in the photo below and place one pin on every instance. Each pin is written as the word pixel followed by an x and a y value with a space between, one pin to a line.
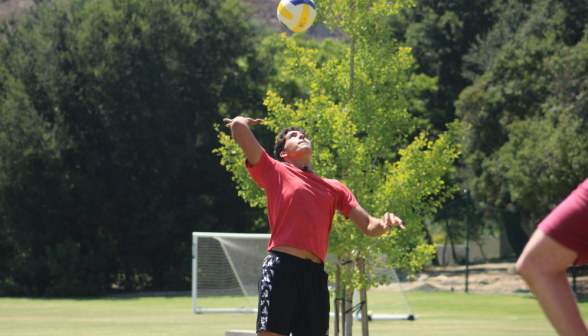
pixel 226 268
pixel 390 298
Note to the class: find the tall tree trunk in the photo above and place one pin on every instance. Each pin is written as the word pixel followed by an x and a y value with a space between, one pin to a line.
pixel 454 254
pixel 348 312
pixel 343 316
pixel 480 246
pixel 363 298
pixel 349 298
pixel 445 262
pixel 430 242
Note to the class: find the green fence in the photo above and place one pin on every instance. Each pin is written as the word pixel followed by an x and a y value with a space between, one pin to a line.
pixel 468 231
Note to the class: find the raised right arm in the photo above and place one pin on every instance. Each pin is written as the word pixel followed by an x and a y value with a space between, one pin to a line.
pixel 245 138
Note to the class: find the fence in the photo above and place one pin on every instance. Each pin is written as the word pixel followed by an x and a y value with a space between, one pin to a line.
pixel 478 230
pixel 493 233
pixel 473 231
pixel 489 250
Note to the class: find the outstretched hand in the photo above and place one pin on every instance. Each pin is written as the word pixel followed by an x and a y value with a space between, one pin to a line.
pixel 249 121
pixel 389 220
pixel 373 226
pixel 245 138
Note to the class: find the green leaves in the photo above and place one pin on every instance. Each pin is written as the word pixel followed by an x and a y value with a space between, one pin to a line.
pixel 527 147
pixel 359 18
pixel 360 136
pixel 440 33
pixel 106 139
pixel 233 159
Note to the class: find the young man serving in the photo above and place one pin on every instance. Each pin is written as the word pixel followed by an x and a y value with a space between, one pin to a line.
pixel 293 293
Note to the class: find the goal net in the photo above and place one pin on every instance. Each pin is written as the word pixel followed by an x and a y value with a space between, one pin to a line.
pixel 388 301
pixel 226 268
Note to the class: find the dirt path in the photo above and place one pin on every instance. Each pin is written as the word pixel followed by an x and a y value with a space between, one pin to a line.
pixel 484 279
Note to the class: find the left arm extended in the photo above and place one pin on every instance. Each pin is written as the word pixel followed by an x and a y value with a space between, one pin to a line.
pixel 372 226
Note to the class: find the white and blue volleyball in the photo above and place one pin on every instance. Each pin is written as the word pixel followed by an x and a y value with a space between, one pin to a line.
pixel 297 15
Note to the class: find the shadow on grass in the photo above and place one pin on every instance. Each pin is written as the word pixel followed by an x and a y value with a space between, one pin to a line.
pixel 119 296
pixel 532 297
pixel 134 296
pixel 579 298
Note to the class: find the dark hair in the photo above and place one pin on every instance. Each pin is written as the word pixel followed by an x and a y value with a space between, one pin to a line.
pixel 281 142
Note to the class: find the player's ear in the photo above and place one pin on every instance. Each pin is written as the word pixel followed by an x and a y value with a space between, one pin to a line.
pixel 283 154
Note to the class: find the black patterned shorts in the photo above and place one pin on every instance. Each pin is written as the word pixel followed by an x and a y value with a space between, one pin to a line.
pixel 293 296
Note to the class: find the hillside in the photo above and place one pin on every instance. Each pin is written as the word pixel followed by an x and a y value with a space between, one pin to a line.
pixel 266 11
pixel 8 7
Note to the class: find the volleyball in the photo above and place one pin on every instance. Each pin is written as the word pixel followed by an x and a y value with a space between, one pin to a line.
pixel 297 15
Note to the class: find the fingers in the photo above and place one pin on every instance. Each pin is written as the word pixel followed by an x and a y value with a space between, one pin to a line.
pixel 249 121
pixel 398 221
pixel 392 220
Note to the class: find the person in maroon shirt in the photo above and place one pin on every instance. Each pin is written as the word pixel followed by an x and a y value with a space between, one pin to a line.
pixel 293 292
pixel 560 240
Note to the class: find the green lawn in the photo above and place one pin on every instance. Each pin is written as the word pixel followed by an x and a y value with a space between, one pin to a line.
pixel 438 314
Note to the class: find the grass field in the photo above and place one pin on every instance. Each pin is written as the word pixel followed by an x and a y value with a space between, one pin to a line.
pixel 438 314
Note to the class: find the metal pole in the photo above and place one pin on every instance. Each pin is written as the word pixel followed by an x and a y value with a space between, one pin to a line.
pixel 343 315
pixel 467 239
pixel 337 293
pixel 574 275
pixel 336 322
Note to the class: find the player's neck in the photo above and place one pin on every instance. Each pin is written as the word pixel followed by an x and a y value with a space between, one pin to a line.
pixel 303 164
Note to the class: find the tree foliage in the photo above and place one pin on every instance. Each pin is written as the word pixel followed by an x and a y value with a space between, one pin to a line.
pixel 527 149
pixel 440 33
pixel 356 115
pixel 106 135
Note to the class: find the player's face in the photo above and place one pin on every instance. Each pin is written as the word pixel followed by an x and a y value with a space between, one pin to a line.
pixel 297 142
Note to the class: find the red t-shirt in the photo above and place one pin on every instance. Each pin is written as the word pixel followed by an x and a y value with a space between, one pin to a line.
pixel 300 205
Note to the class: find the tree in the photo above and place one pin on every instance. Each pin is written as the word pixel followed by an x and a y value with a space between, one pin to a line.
pixel 545 156
pixel 356 116
pixel 440 33
pixel 106 140
pixel 446 35
pixel 527 150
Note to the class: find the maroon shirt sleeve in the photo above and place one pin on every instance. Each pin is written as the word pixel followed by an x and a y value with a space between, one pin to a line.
pixel 346 201
pixel 258 171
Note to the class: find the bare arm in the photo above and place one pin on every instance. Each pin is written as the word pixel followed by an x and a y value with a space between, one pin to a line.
pixel 245 138
pixel 371 226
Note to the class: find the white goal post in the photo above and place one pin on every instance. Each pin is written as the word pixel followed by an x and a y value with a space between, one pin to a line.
pixel 226 268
